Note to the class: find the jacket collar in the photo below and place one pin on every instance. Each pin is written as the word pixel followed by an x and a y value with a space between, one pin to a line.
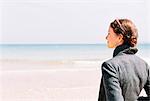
pixel 124 49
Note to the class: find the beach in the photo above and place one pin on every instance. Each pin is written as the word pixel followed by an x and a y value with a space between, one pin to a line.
pixel 39 84
pixel 51 73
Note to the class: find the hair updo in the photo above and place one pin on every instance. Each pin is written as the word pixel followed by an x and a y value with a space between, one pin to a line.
pixel 127 29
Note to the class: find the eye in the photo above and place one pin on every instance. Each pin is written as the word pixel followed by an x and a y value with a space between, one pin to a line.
pixel 108 33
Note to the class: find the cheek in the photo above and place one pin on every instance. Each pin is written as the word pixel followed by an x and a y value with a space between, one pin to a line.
pixel 111 39
pixel 112 42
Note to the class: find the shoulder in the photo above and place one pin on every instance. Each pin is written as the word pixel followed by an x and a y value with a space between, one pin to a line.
pixel 125 60
pixel 109 65
pixel 113 61
pixel 120 60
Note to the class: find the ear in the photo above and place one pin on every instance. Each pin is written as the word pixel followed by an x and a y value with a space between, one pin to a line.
pixel 120 38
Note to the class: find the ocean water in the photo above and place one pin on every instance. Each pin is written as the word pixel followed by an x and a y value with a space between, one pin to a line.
pixel 54 52
pixel 62 52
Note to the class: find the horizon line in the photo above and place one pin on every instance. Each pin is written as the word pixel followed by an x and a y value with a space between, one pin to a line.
pixel 60 43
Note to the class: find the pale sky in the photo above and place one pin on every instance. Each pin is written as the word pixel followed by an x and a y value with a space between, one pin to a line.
pixel 68 21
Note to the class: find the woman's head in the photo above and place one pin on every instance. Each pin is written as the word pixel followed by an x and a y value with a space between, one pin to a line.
pixel 122 31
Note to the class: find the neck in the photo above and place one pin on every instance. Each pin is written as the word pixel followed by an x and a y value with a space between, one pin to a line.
pixel 119 49
pixel 119 44
pixel 125 49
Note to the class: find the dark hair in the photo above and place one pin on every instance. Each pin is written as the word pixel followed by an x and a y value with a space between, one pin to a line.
pixel 127 28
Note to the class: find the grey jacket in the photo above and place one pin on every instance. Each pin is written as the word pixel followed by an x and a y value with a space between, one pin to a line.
pixel 124 76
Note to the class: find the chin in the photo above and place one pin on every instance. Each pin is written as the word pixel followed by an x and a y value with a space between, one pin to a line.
pixel 110 46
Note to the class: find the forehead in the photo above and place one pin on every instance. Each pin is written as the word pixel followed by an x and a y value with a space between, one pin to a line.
pixel 110 29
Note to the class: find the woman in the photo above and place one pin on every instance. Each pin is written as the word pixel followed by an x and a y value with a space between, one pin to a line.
pixel 125 75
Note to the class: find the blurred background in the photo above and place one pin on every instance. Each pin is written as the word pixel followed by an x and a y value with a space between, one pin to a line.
pixel 52 50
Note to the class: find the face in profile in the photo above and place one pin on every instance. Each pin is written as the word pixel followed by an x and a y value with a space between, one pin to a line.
pixel 113 40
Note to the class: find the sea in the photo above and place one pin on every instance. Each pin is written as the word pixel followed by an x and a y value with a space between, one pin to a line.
pixel 62 52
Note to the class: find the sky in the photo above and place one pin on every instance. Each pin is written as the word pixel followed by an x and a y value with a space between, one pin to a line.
pixel 68 21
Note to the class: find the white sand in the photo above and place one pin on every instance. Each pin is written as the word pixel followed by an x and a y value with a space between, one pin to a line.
pixel 32 83
pixel 38 81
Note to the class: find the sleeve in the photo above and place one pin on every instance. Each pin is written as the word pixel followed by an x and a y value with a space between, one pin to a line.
pixel 147 85
pixel 111 83
pixel 102 96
